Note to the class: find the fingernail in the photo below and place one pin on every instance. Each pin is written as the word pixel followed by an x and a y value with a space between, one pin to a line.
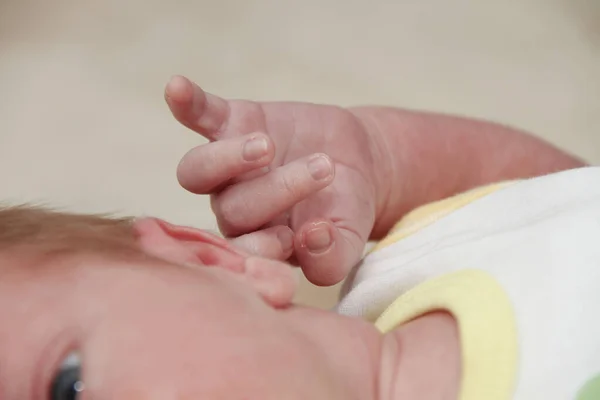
pixel 319 168
pixel 286 238
pixel 318 239
pixel 255 148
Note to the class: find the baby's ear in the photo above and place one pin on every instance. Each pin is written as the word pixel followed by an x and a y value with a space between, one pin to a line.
pixel 273 280
pixel 185 245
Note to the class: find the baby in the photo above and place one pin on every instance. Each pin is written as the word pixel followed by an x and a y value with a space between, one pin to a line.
pixel 480 292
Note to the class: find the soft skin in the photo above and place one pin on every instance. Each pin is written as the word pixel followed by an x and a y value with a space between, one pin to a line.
pixel 169 326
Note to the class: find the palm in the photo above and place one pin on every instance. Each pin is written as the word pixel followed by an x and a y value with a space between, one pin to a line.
pixel 300 129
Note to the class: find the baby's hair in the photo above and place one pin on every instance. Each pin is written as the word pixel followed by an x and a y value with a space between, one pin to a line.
pixel 38 231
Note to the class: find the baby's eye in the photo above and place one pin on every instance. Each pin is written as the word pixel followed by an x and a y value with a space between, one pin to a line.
pixel 67 384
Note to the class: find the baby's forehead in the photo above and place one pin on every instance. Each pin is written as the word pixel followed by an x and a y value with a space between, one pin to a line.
pixel 90 286
pixel 85 290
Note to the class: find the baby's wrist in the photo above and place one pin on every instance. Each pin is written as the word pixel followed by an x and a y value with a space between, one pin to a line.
pixel 382 171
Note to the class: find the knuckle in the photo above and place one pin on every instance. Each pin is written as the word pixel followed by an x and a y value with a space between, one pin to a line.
pixel 289 184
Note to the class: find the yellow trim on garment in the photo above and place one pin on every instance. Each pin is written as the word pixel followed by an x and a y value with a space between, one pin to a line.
pixel 429 213
pixel 486 325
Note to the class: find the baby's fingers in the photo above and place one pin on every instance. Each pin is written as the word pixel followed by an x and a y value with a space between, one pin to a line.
pixel 327 251
pixel 248 205
pixel 200 111
pixel 208 166
pixel 276 242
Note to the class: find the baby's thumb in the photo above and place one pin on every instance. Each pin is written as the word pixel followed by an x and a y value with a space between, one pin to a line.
pixel 327 252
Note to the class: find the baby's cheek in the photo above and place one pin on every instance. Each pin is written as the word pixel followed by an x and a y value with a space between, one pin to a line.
pixel 123 363
pixel 142 353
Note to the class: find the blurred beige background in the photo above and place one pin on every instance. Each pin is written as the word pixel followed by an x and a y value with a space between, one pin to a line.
pixel 82 119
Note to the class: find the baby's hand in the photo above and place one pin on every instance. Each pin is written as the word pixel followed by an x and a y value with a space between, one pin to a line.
pixel 309 167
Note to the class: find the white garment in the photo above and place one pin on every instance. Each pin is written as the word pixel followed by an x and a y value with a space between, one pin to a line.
pixel 540 239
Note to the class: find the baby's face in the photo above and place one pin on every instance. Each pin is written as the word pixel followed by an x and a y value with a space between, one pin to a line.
pixel 155 330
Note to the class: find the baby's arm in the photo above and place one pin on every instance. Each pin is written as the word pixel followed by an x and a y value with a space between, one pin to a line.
pixel 432 156
pixel 327 178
